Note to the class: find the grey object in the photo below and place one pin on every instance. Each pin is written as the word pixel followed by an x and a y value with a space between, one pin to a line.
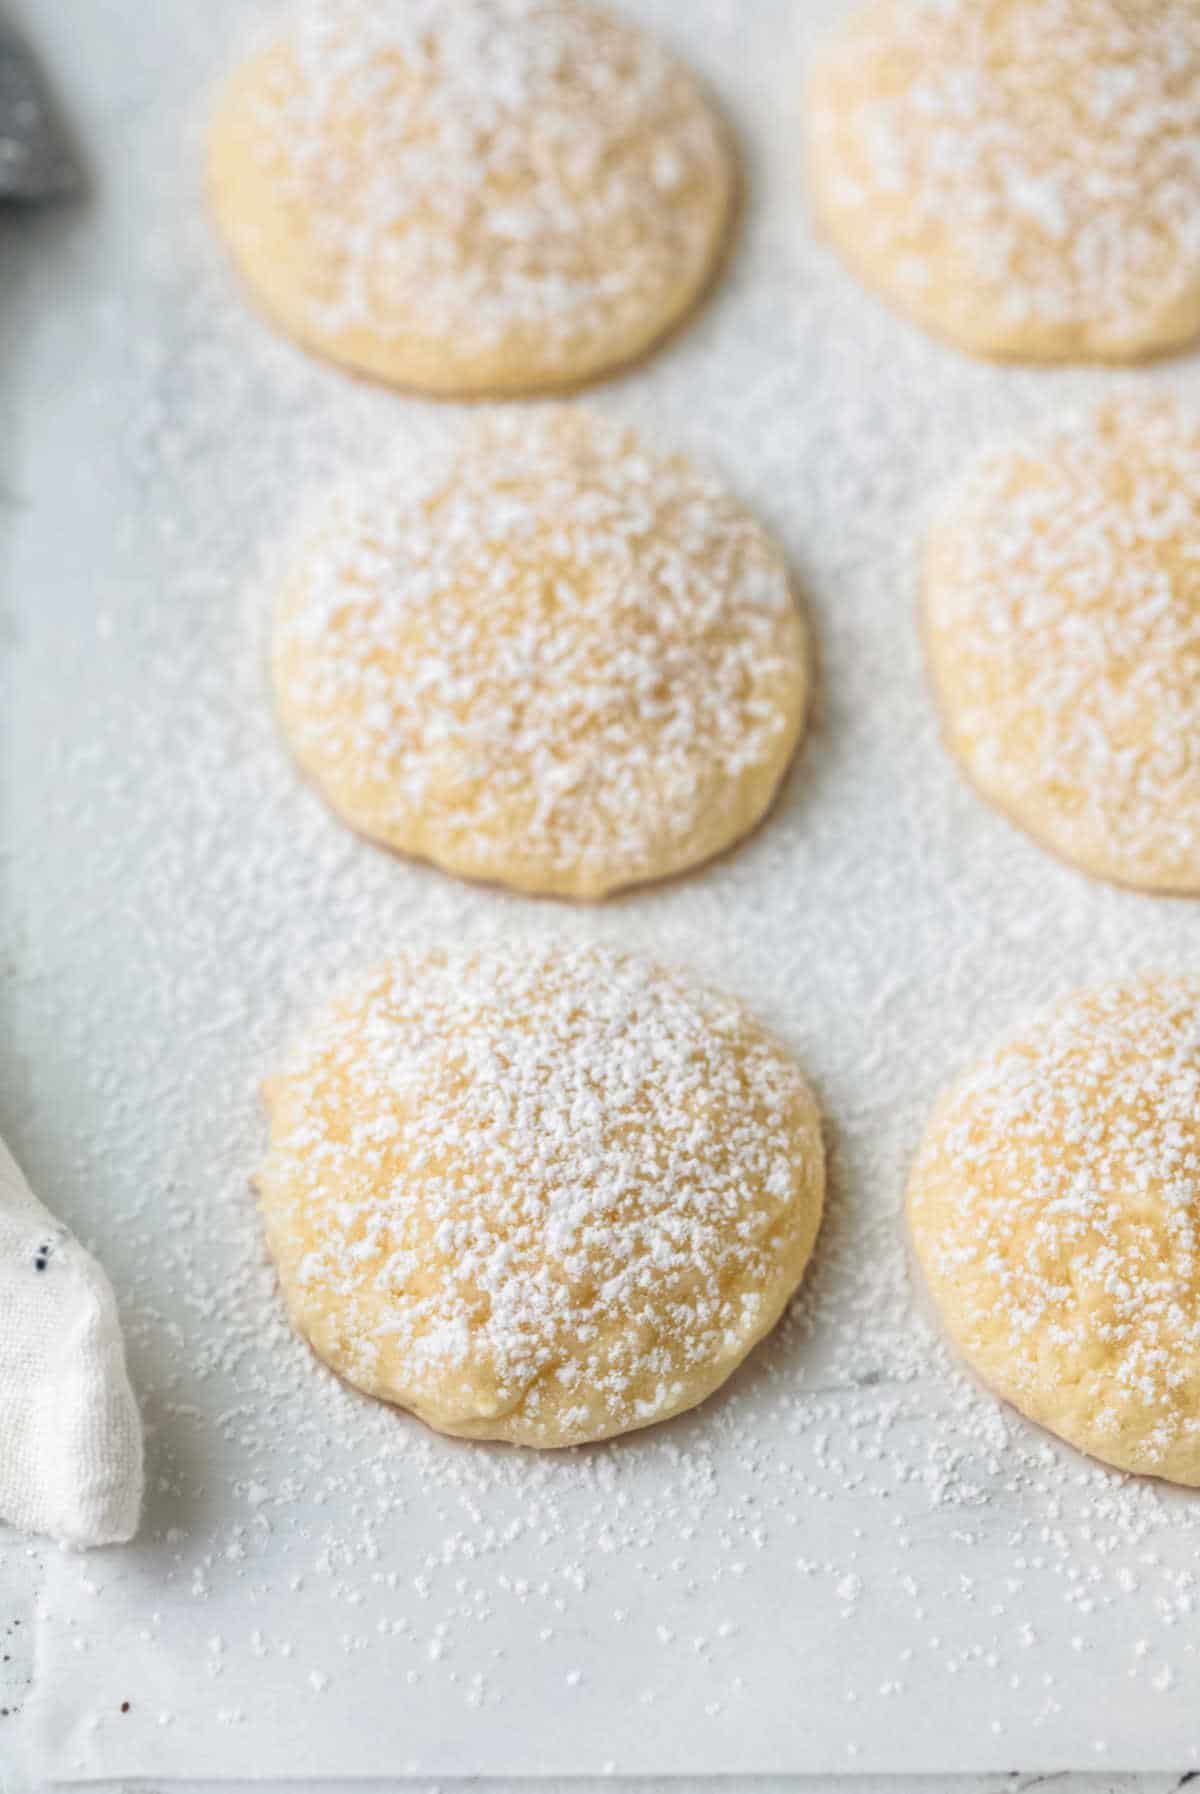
pixel 35 161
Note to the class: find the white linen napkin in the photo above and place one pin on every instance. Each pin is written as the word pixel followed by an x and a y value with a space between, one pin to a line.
pixel 70 1434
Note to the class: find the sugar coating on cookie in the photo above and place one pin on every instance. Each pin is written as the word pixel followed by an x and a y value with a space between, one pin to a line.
pixel 470 196
pixel 1019 176
pixel 1062 616
pixel 549 658
pixel 1054 1211
pixel 543 1196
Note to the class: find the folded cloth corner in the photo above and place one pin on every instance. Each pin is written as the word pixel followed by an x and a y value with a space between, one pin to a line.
pixel 70 1434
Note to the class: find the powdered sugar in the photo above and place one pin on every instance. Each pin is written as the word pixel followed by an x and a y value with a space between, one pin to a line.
pixel 1063 605
pixel 549 658
pixel 530 176
pixel 1041 156
pixel 177 903
pixel 543 1197
pixel 1054 1206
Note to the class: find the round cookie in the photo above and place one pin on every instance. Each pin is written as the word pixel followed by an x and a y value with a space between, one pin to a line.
pixel 1053 1207
pixel 551 660
pixel 539 1196
pixel 1062 618
pixel 1018 176
pixel 470 196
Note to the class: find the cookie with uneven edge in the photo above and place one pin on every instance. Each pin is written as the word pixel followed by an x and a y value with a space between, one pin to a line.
pixel 548 659
pixel 1018 176
pixel 1053 1207
pixel 538 1196
pixel 470 196
pixel 1062 619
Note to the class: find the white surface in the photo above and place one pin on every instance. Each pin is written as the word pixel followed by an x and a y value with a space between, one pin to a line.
pixel 21 1570
pixel 848 1560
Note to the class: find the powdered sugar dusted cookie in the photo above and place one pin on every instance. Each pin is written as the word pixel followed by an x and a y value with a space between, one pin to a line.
pixel 1019 176
pixel 539 1196
pixel 470 196
pixel 1062 614
pixel 552 659
pixel 1053 1207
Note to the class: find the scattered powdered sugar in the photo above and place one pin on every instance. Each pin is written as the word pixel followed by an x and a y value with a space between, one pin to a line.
pixel 734 1588
pixel 544 1196
pixel 1048 148
pixel 474 168
pixel 548 657
pixel 1055 1205
pixel 1063 603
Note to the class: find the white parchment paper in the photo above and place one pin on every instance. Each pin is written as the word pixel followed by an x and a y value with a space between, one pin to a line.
pixel 850 1559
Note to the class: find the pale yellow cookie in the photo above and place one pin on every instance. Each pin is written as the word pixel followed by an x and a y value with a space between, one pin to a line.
pixel 470 196
pixel 549 659
pixel 1019 176
pixel 1054 1206
pixel 540 1196
pixel 1062 618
